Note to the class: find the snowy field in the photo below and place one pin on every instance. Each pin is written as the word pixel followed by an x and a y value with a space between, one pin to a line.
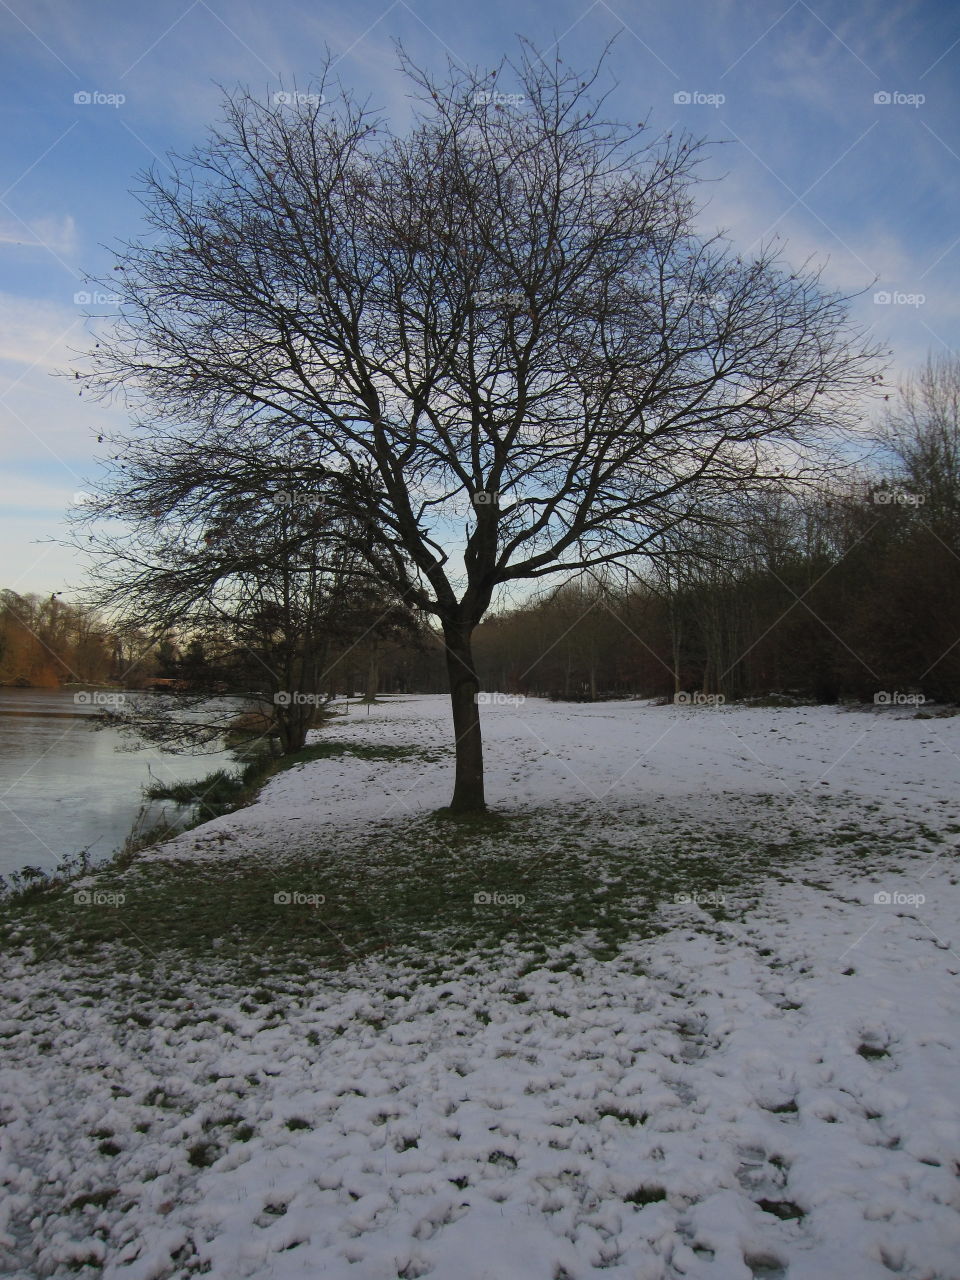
pixel 733 1061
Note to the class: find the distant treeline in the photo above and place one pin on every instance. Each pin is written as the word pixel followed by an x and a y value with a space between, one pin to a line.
pixel 846 595
pixel 46 642
pixel 839 595
pixel 848 590
pixel 842 595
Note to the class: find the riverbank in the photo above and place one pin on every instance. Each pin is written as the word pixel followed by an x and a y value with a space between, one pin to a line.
pixel 681 1010
pixel 69 784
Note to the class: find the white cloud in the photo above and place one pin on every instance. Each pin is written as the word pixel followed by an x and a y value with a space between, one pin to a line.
pixel 38 334
pixel 57 235
pixel 755 208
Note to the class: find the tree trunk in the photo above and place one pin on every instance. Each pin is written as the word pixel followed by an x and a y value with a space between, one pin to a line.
pixel 292 724
pixel 675 639
pixel 373 677
pixel 468 788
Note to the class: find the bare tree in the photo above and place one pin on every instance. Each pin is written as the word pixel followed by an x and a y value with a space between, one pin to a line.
pixel 922 432
pixel 271 579
pixel 499 329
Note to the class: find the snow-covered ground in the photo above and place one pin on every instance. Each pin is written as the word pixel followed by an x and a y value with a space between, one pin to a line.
pixel 614 754
pixel 770 1093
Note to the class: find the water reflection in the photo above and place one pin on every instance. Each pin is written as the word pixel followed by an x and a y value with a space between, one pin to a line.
pixel 65 786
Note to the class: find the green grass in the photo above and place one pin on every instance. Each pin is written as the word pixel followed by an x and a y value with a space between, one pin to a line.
pixel 585 875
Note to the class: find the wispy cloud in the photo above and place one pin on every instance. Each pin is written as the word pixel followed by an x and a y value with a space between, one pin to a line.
pixel 877 186
pixel 37 334
pixel 56 234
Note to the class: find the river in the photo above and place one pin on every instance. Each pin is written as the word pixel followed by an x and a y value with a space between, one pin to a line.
pixel 66 786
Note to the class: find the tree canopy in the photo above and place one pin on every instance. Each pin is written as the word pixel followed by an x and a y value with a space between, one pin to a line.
pixel 498 333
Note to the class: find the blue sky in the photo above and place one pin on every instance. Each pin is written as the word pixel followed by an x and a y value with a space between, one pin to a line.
pixel 839 126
